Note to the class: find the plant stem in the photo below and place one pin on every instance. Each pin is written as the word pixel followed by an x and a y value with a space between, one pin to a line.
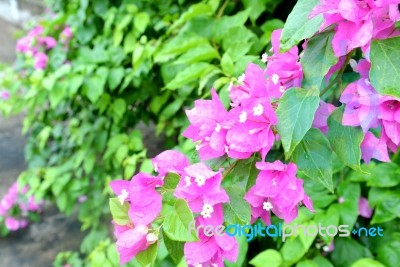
pixel 221 10
pixel 338 77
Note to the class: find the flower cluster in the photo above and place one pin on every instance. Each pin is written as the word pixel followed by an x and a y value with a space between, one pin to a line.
pixel 145 206
pixel 366 108
pixel 36 44
pixel 358 22
pixel 15 208
pixel 278 190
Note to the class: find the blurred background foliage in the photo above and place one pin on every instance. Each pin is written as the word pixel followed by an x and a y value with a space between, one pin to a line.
pixel 129 63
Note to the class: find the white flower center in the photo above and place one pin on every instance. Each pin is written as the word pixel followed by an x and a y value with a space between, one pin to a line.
pixel 123 196
pixel 243 116
pixel 188 180
pixel 275 78
pixel 241 78
pixel 267 206
pixel 282 88
pixel 151 238
pixel 218 128
pixel 198 147
pixel 226 149
pixel 264 58
pixel 155 167
pixel 258 110
pixel 229 86
pixel 200 180
pixel 207 211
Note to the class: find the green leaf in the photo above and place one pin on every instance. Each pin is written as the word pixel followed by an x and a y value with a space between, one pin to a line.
pixel 202 52
pixel 237 211
pixel 348 251
pixel 176 224
pixel 385 66
pixel 348 208
pixel 269 257
pixel 327 218
pixel 313 157
pixel 298 26
pixel 389 253
pixel 383 175
pixel 178 45
pixel 345 140
pixel 147 257
pixel 175 248
pixel 227 65
pixel 295 116
pixel 115 77
pixel 190 74
pixel 141 21
pixel 322 262
pixel 171 180
pixel 94 87
pixel 119 212
pixel 317 59
pixel 295 247
pixel 307 263
pixel 387 205
pixel 367 263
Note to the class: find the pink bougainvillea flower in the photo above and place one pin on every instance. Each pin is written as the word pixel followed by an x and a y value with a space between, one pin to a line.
pixel 211 250
pixel 12 224
pixel 390 116
pixel 130 241
pixel 36 31
pixel 48 42
pixel 170 161
pixel 201 188
pixel 358 22
pixel 364 208
pixel 5 95
pixel 372 147
pixel 321 116
pixel 24 44
pixel 252 128
pixel 362 105
pixel 140 192
pixel 283 69
pixel 41 60
pixel 66 34
pixel 278 190
pixel 254 85
pixel 208 125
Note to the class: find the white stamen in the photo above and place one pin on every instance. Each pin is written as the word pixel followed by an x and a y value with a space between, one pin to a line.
pixel 123 196
pixel 258 110
pixel 229 86
pixel 274 182
pixel 264 57
pixel 243 116
pixel 275 78
pixel 155 167
pixel 353 63
pixel 151 238
pixel 207 210
pixel 241 78
pixel 367 82
pixel 282 88
pixel 267 206
pixel 188 180
pixel 198 147
pixel 200 180
pixel 226 149
pixel 218 128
